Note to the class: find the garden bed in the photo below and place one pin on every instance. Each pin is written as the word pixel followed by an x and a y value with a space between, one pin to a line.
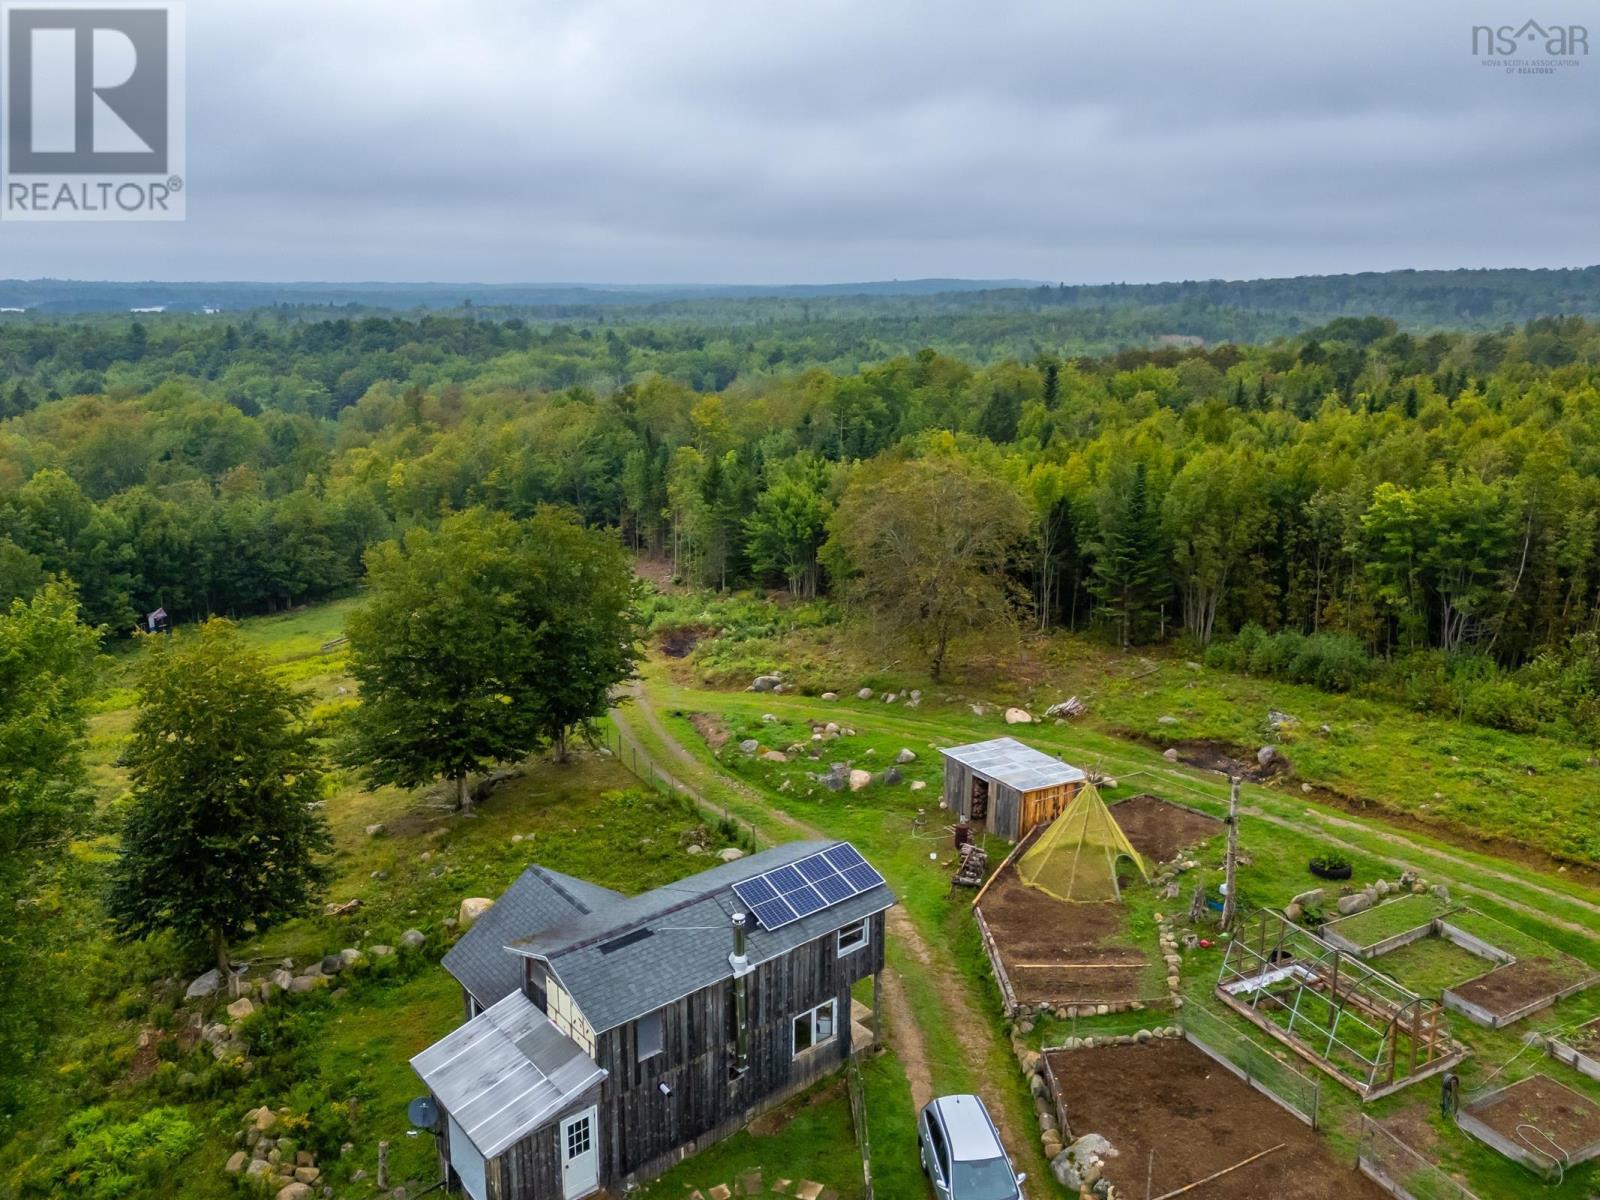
pixel 1514 991
pixel 1070 956
pixel 1579 1049
pixel 1176 1117
pixel 1160 829
pixel 1385 927
pixel 1540 1123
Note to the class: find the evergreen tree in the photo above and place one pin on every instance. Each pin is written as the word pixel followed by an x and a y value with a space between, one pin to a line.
pixel 1128 572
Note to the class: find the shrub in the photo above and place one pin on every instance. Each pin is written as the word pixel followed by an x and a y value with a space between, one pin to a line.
pixel 104 1160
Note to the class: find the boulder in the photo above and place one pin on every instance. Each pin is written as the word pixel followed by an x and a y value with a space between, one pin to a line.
pixel 1018 716
pixel 830 695
pixel 917 785
pixel 905 756
pixel 306 1174
pixel 1280 720
pixel 471 909
pixel 1078 1166
pixel 412 939
pixel 1170 755
pixel 731 854
pixel 241 1008
pixel 331 964
pixel 765 683
pixel 301 984
pixel 836 780
pixel 1270 758
pixel 889 698
pixel 859 779
pixel 893 776
pixel 236 1162
pixel 381 951
pixel 749 746
pixel 864 694
pixel 769 718
pixel 831 727
pixel 205 985
pixel 1306 899
pixel 775 756
pixel 293 1191
pixel 1359 902
pixel 1166 719
pixel 258 1167
pixel 263 1118
pixel 376 829
pixel 1383 887
pixel 695 848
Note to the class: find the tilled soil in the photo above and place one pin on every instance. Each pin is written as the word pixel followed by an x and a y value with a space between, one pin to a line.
pixel 1175 1117
pixel 1571 1120
pixel 1061 953
pixel 1508 988
pixel 1159 829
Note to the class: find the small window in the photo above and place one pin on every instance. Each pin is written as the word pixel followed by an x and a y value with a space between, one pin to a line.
pixel 647 1035
pixel 852 938
pixel 813 1028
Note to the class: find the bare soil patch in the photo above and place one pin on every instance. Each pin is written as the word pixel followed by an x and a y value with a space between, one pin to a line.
pixel 1174 1114
pixel 1571 1120
pixel 1159 829
pixel 1060 953
pixel 680 642
pixel 712 728
pixel 1508 988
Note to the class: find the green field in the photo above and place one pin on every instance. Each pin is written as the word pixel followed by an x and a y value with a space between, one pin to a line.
pixel 593 819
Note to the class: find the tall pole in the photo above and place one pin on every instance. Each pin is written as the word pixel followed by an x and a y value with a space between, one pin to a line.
pixel 1230 901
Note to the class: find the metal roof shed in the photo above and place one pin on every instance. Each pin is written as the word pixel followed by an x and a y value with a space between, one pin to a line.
pixel 1007 786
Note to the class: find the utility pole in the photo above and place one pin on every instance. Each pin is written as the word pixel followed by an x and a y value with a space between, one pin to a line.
pixel 1230 900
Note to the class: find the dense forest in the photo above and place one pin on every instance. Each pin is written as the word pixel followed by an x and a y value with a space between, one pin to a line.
pixel 1346 499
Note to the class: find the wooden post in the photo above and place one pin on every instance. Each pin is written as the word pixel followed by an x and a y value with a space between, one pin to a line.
pixel 877 1010
pixel 1230 900
pixel 383 1164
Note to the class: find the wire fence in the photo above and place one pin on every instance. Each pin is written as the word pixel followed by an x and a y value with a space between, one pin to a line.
pixel 1254 1063
pixel 625 748
pixel 1402 1170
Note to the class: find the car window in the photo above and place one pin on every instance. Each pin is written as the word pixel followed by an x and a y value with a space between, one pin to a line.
pixel 985 1179
pixel 936 1138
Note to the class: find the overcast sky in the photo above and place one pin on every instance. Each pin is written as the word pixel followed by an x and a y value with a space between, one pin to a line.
pixel 811 141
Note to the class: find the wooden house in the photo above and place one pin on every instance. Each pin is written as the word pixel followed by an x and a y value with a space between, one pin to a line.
pixel 1007 787
pixel 630 1032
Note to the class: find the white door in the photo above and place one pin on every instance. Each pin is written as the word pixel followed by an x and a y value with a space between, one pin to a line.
pixel 464 1157
pixel 580 1155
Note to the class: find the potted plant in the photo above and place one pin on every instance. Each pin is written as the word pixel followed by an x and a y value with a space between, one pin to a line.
pixel 1331 866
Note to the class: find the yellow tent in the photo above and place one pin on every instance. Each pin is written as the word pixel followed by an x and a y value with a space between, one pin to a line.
pixel 1075 859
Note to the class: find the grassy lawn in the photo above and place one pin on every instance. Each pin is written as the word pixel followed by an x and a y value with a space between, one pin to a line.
pixel 1389 919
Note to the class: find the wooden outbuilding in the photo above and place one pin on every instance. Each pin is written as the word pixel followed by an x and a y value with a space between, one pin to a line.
pixel 1006 786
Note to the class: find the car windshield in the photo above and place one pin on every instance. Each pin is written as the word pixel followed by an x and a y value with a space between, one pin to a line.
pixel 983 1179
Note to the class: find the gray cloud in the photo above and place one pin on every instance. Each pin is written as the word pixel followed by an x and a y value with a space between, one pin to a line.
pixel 744 140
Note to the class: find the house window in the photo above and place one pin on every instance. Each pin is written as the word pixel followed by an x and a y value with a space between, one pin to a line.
pixel 813 1028
pixel 852 938
pixel 647 1035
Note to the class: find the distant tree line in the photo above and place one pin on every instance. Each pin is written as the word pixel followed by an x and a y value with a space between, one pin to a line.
pixel 1433 493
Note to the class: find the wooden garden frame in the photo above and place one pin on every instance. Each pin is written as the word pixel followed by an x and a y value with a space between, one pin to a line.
pixel 1274 960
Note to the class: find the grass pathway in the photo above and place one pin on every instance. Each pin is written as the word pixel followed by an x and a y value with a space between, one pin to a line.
pixel 946 1002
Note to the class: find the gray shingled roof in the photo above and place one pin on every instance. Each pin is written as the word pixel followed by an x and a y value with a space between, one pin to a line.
pixel 1006 760
pixel 505 1072
pixel 539 899
pixel 689 939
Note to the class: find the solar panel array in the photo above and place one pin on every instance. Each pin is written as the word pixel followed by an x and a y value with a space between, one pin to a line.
pixel 785 894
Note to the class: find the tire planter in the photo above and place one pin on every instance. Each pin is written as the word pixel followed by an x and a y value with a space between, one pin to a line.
pixel 1341 871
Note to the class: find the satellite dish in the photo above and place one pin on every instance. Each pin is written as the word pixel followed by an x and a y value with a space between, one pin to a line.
pixel 423 1112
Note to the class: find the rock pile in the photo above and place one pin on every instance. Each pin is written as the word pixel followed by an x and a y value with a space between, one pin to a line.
pixel 271 1156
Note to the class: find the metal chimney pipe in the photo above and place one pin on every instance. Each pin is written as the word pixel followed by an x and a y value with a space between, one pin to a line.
pixel 741 996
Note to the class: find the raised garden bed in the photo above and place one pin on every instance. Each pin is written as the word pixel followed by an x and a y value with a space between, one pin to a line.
pixel 1540 1123
pixel 1579 1049
pixel 1386 926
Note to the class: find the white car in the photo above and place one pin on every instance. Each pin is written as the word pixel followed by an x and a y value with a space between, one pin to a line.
pixel 962 1154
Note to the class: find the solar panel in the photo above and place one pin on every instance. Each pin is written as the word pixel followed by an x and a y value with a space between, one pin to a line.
pixel 843 856
pixel 785 894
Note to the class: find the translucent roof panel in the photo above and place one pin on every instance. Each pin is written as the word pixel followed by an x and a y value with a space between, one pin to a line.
pixel 1006 760
pixel 505 1072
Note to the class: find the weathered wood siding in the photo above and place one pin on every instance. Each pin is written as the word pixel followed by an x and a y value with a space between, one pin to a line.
pixel 531 1169
pixel 1011 813
pixel 642 1131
